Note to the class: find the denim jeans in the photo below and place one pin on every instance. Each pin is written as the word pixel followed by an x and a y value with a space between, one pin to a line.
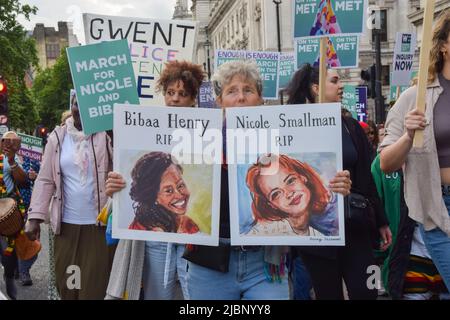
pixel 438 245
pixel 245 280
pixel 302 282
pixel 163 261
pixel 25 265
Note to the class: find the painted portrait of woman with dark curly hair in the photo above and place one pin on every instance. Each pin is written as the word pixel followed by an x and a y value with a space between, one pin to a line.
pixel 160 195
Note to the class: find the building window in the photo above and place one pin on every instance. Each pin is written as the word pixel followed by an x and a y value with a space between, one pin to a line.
pixel 383 26
pixel 53 51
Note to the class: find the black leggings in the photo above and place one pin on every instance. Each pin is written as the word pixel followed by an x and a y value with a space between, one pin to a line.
pixel 350 265
pixel 9 262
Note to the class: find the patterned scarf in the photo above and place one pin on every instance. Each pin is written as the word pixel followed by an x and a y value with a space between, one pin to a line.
pixel 20 205
pixel 81 150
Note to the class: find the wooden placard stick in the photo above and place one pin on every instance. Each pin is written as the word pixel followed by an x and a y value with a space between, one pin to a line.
pixel 424 63
pixel 323 68
pixel 397 93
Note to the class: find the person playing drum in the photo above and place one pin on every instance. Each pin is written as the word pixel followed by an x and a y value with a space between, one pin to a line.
pixel 11 176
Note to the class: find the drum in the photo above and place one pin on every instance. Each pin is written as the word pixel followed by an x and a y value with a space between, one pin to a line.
pixel 11 221
pixel 25 248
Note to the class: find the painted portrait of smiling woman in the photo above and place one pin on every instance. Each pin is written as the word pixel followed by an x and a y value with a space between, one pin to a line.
pixel 290 198
pixel 160 195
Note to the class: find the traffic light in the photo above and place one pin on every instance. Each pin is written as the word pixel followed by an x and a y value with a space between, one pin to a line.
pixel 41 131
pixel 3 97
pixel 369 76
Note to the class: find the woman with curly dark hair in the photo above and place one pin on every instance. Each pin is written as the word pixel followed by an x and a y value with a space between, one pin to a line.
pixel 160 262
pixel 179 83
pixel 161 205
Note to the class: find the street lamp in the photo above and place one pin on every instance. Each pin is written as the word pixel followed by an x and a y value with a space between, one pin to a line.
pixel 277 3
pixel 207 46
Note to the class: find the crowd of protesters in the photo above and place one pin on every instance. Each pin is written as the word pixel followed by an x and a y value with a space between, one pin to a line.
pixel 405 231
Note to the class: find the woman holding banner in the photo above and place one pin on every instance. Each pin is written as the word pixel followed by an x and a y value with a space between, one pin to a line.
pixel 329 265
pixel 72 179
pixel 239 272
pixel 426 169
pixel 160 262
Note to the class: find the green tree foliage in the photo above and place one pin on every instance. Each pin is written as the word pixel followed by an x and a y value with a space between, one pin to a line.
pixel 17 55
pixel 51 90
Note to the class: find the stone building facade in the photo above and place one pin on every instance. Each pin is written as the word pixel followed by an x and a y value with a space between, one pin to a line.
pixel 252 25
pixel 49 42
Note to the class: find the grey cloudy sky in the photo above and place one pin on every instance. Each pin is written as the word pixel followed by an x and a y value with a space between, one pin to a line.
pixel 52 11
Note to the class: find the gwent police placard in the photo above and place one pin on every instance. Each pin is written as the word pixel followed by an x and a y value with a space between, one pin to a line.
pixel 280 161
pixel 152 43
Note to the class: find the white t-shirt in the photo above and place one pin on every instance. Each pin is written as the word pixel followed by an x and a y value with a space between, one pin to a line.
pixel 79 204
pixel 279 228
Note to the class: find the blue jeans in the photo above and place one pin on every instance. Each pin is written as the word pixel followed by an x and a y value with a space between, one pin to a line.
pixel 25 265
pixel 161 269
pixel 438 246
pixel 245 280
pixel 301 281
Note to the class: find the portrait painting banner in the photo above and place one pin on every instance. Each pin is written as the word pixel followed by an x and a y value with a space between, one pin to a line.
pixel 280 161
pixel 170 158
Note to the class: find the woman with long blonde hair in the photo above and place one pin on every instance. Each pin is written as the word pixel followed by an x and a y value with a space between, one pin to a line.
pixel 427 169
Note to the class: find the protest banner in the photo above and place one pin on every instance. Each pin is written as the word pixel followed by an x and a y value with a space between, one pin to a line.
pixel 268 150
pixel 361 104
pixel 102 75
pixel 166 155
pixel 206 97
pixel 152 43
pixel 396 91
pixel 405 47
pixel 268 64
pixel 31 147
pixel 328 17
pixel 349 100
pixel 287 69
pixel 342 52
